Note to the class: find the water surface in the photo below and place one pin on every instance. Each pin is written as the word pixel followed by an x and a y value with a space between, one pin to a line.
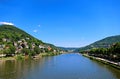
pixel 65 66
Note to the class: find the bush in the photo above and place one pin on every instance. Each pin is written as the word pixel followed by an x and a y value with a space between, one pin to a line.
pixel 19 57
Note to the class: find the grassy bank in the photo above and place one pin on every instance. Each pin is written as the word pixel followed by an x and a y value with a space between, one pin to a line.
pixel 22 57
pixel 7 58
pixel 104 61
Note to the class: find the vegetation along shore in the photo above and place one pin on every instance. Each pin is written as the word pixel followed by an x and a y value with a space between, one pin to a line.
pixel 109 55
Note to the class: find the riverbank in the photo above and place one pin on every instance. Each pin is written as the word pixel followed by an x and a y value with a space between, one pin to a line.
pixel 7 58
pixel 22 57
pixel 104 61
pixel 44 55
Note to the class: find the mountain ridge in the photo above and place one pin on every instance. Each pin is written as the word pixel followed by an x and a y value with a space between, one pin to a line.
pixel 103 43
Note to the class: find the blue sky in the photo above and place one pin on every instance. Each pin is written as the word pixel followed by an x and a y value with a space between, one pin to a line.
pixel 67 23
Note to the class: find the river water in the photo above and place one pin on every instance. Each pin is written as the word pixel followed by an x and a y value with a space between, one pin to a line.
pixel 65 66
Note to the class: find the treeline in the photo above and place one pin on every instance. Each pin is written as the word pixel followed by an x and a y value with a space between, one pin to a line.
pixel 112 53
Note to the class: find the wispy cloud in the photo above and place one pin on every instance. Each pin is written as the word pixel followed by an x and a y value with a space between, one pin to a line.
pixel 6 23
pixel 35 31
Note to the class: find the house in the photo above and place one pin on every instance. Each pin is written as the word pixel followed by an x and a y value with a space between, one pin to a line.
pixel 19 41
pixel 27 46
pixel 54 51
pixel 4 39
pixel 27 38
pixel 15 44
pixel 49 48
pixel 33 45
pixel 41 46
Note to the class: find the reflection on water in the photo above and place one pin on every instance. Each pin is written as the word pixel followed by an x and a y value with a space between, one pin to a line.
pixel 66 66
pixel 18 69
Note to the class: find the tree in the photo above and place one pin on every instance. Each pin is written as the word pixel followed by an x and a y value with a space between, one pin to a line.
pixel 25 51
pixel 10 50
pixel 37 50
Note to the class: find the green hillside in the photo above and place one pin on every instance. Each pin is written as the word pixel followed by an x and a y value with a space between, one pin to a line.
pixel 104 43
pixel 16 41
pixel 15 34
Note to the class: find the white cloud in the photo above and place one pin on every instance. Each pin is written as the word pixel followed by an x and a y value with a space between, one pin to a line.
pixel 35 31
pixel 6 23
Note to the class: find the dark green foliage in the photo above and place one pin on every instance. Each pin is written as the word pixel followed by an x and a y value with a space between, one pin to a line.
pixel 37 50
pixel 112 53
pixel 25 51
pixel 10 50
pixel 115 49
pixel 19 57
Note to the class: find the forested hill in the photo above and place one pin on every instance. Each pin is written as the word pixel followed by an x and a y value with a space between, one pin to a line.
pixel 104 43
pixel 14 34
pixel 14 41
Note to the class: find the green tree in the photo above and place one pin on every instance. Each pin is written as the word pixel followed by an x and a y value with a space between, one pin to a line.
pixel 37 50
pixel 10 50
pixel 25 51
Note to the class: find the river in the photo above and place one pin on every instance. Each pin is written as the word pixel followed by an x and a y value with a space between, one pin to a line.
pixel 65 66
